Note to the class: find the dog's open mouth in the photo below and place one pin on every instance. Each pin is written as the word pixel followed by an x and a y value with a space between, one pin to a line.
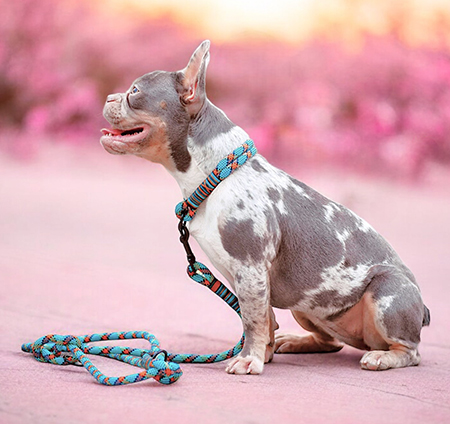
pixel 121 141
pixel 125 136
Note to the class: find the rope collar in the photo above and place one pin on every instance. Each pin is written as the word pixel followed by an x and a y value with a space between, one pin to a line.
pixel 186 209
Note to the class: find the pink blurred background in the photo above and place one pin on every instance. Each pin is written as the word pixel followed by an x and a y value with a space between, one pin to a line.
pixel 358 83
pixel 350 96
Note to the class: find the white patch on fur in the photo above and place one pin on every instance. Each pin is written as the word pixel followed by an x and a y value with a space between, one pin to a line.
pixel 330 209
pixel 334 276
pixel 363 225
pixel 300 191
pixel 279 204
pixel 342 237
pixel 338 278
pixel 385 302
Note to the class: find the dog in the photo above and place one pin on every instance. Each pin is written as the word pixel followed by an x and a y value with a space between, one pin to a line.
pixel 278 242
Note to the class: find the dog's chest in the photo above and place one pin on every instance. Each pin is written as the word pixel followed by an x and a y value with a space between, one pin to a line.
pixel 205 229
pixel 230 226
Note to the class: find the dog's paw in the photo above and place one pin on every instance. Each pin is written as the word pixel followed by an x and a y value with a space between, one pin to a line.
pixel 245 365
pixel 376 360
pixel 288 343
pixel 292 343
pixel 380 360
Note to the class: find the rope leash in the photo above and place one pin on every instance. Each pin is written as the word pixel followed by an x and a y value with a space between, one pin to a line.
pixel 156 363
pixel 56 349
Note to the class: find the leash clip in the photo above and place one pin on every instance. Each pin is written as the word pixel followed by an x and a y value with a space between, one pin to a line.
pixel 184 239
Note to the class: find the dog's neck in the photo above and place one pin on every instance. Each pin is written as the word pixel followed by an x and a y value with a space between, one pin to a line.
pixel 212 136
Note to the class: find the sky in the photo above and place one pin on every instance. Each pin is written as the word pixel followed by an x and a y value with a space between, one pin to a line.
pixel 293 20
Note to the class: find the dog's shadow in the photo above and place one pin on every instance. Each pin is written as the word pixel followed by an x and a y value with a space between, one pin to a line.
pixel 346 358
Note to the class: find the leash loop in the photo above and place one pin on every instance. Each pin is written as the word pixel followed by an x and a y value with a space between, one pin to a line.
pixel 53 348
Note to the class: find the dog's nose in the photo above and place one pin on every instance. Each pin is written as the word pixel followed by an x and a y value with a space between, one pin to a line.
pixel 113 98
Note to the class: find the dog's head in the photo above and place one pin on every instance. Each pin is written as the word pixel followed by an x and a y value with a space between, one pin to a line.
pixel 152 118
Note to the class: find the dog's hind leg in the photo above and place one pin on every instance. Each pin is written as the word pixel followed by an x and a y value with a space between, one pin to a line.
pixel 393 318
pixel 315 342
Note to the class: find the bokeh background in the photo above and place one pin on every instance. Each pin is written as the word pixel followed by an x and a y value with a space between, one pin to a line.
pixel 350 96
pixel 360 83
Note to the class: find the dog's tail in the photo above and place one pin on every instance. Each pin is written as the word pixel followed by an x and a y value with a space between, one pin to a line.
pixel 426 316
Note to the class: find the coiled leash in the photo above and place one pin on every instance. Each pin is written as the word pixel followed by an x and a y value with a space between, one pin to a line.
pixel 156 363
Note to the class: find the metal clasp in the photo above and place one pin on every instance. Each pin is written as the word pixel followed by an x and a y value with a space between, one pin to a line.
pixel 184 239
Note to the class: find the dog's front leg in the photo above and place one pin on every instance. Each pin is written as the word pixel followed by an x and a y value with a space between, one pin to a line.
pixel 252 290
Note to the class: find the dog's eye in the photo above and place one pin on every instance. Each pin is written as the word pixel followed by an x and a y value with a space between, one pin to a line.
pixel 134 90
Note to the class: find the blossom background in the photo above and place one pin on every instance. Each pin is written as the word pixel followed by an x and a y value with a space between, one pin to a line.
pixel 363 84
pixel 350 96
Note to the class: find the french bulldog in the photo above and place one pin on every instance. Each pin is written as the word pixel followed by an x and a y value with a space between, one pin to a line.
pixel 278 242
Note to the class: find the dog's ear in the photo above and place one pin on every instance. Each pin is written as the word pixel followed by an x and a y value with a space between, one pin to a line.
pixel 193 79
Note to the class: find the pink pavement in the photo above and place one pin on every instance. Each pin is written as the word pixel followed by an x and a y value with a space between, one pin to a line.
pixel 88 243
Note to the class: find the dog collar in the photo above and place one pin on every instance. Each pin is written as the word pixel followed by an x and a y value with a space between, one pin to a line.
pixel 186 209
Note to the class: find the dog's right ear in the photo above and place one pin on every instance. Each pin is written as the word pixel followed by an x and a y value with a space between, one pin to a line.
pixel 192 88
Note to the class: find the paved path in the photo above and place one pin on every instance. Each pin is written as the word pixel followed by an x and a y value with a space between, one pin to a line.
pixel 88 243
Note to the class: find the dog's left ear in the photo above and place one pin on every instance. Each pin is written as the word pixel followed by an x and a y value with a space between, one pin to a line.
pixel 193 79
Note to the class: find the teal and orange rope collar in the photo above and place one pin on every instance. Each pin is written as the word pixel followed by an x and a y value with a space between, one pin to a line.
pixel 186 209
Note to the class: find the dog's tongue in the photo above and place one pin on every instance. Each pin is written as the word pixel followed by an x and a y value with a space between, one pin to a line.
pixel 111 131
